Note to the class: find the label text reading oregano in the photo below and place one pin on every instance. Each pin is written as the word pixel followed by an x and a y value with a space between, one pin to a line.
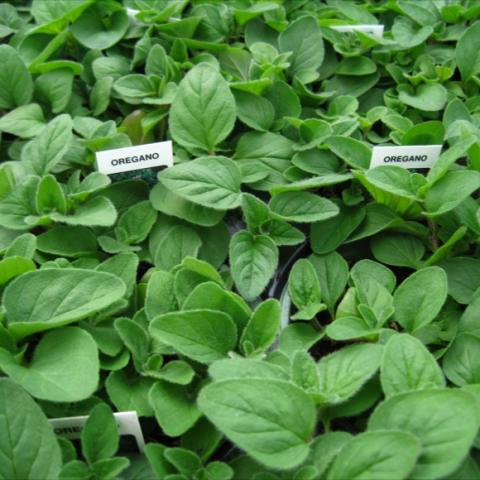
pixel 135 158
pixel 406 156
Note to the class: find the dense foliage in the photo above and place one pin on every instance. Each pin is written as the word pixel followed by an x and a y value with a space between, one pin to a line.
pixel 270 306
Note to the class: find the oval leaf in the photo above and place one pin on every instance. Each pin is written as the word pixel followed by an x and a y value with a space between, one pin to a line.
pixel 274 432
pixel 203 335
pixel 445 421
pixel 213 182
pixel 253 259
pixel 420 297
pixel 64 367
pixel 203 111
pixel 50 298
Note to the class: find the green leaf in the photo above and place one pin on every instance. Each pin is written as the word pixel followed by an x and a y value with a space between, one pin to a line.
pixel 94 32
pixel 110 468
pixel 178 243
pixel 351 151
pixel 45 11
pixel 219 470
pixel 356 66
pixel 99 435
pixel 255 212
pixel 428 97
pixel 135 86
pixel 212 296
pixel 100 95
pixel 253 260
pixel 160 296
pixel 18 203
pixel 468 320
pixel 45 299
pixel 327 235
pixel 212 182
pixel 448 158
pixel 445 194
pixel 445 421
pixel 47 149
pixel 124 266
pixel 168 202
pixel 203 111
pixel 157 61
pixel 68 242
pixel 326 447
pixel 408 365
pixel 398 249
pixel 96 212
pixel 10 20
pixel 275 433
pixel 463 274
pixel 339 379
pixel 75 469
pixel 420 297
pixel 203 335
pixel 303 38
pixel 298 336
pixel 467 52
pixel 185 461
pixel 376 456
pixel 304 290
pixel 461 362
pixel 419 13
pixel 393 179
pixel 304 207
pixel 254 111
pixel 304 371
pixel 154 453
pixel 332 272
pixel 90 184
pixel 135 338
pixel 29 447
pixel 50 196
pixel 176 371
pixel 55 88
pixel 265 153
pixel 14 266
pixel 246 368
pixel 282 233
pixel 24 246
pixel 370 269
pixel 64 367
pixel 425 133
pixel 262 328
pixel 174 407
pixel 375 303
pixel 16 86
pixel 26 121
pixel 129 393
pixel 350 327
pixel 135 223
pixel 326 180
pixel 378 217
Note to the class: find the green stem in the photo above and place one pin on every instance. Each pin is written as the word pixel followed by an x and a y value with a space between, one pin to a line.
pixel 433 237
pixel 325 421
pixel 326 425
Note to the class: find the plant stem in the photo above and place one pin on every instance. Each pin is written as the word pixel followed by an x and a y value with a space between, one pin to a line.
pixel 433 237
pixel 326 425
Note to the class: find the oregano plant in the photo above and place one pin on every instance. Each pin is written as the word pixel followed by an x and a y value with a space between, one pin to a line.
pixel 273 304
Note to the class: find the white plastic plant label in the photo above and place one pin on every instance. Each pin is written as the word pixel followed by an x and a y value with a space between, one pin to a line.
pixel 131 436
pixel 406 156
pixel 151 155
pixel 375 30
